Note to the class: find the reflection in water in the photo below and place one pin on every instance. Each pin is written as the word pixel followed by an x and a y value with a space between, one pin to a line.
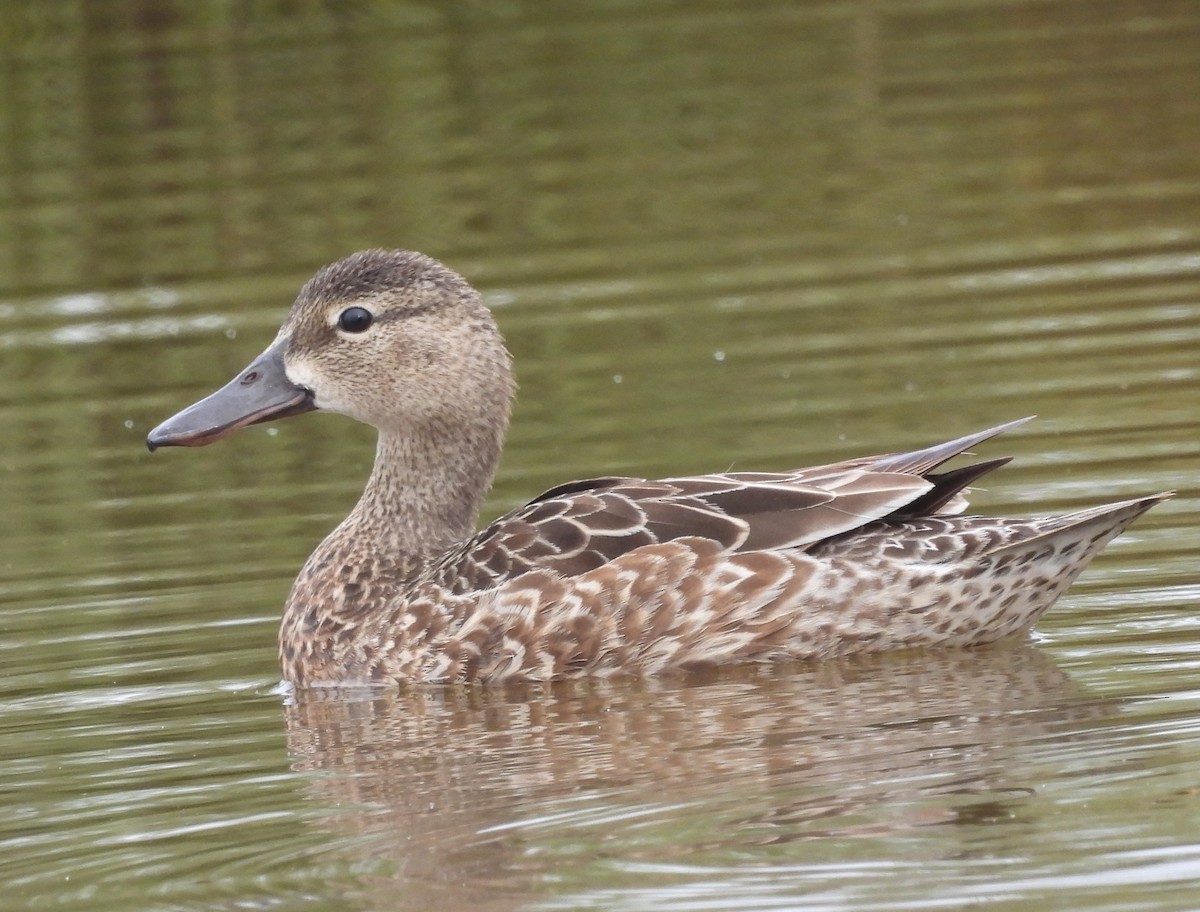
pixel 474 795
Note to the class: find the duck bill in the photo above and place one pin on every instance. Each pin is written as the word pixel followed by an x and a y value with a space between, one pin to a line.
pixel 261 392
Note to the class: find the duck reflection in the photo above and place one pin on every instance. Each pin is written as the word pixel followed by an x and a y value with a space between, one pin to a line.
pixel 486 798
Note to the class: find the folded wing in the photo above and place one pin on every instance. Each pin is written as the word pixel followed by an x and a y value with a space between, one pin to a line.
pixel 580 526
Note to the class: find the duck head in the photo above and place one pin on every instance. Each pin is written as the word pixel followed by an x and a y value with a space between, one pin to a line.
pixel 391 338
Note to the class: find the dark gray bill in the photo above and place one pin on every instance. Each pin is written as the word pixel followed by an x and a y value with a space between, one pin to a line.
pixel 262 392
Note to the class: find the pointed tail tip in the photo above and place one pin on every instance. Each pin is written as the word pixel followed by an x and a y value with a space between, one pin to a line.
pixel 1125 513
pixel 1133 508
pixel 1152 500
pixel 1149 500
pixel 1099 524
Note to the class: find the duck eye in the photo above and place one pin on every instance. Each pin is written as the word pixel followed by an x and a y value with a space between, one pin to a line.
pixel 355 320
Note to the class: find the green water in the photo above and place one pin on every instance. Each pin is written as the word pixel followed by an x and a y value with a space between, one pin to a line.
pixel 714 237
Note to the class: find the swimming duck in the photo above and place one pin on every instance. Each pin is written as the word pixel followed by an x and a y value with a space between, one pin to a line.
pixel 608 575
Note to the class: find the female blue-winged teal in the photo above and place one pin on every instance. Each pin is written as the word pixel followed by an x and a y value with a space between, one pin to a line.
pixel 608 575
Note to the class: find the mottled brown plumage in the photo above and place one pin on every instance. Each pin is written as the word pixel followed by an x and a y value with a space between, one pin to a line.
pixel 610 575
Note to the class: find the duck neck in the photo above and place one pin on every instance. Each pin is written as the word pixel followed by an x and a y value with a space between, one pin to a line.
pixel 424 492
pixel 423 497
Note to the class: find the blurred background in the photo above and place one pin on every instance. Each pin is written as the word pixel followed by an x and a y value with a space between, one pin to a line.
pixel 715 236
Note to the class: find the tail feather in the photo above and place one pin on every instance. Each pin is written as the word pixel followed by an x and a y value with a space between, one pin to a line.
pixel 1105 523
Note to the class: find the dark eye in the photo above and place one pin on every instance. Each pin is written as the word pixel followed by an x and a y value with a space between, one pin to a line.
pixel 355 320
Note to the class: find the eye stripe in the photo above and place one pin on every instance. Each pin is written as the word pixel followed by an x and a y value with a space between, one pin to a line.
pixel 404 314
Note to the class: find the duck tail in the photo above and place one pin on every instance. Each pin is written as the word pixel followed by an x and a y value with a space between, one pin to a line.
pixel 1095 527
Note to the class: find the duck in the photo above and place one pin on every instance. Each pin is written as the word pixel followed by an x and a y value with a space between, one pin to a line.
pixel 610 575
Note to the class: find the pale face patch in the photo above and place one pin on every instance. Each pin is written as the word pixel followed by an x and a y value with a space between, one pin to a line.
pixel 301 372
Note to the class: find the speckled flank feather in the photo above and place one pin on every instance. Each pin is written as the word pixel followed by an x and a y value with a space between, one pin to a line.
pixel 608 575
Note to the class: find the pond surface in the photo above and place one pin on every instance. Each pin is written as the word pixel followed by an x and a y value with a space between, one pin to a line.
pixel 759 238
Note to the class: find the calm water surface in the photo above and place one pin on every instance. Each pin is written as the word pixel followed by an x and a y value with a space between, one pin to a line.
pixel 757 238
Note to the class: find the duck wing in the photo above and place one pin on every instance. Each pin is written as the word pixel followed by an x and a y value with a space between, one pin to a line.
pixel 580 526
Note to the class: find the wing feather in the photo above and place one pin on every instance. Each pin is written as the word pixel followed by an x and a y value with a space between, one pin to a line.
pixel 580 526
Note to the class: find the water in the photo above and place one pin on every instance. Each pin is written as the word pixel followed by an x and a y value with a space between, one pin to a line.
pixel 753 239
